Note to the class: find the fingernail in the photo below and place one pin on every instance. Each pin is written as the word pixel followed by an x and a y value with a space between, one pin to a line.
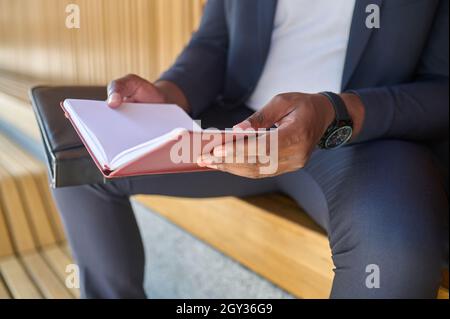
pixel 243 126
pixel 114 99
pixel 200 162
pixel 219 151
pixel 207 161
pixel 204 162
pixel 212 166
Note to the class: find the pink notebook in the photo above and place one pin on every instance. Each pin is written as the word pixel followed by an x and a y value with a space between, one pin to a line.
pixel 141 139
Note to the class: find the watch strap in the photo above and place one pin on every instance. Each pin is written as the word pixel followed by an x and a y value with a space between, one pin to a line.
pixel 339 107
pixel 342 117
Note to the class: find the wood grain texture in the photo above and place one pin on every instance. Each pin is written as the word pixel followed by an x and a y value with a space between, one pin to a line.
pixel 44 278
pixel 6 247
pixel 58 261
pixel 65 248
pixel 36 275
pixel 445 279
pixel 39 174
pixel 116 37
pixel 26 172
pixel 443 293
pixel 51 209
pixel 19 114
pixel 18 281
pixel 15 214
pixel 4 293
pixel 28 217
pixel 47 213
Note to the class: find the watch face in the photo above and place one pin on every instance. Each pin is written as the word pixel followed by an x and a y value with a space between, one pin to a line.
pixel 339 137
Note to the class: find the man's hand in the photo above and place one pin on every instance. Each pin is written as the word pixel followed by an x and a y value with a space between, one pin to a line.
pixel 135 89
pixel 301 119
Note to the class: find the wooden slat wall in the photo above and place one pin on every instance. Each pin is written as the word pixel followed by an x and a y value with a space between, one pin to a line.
pixel 116 37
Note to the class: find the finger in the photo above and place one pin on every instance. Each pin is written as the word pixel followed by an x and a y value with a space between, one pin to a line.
pixel 114 100
pixel 129 99
pixel 249 170
pixel 114 97
pixel 244 170
pixel 242 148
pixel 206 159
pixel 256 171
pixel 269 115
pixel 261 144
pixel 122 88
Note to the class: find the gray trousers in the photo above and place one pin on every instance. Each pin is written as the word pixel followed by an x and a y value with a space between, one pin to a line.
pixel 381 203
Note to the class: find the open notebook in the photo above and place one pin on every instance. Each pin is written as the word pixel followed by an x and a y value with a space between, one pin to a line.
pixel 139 139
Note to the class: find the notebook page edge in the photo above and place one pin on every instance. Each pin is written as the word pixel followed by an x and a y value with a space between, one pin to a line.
pixel 88 136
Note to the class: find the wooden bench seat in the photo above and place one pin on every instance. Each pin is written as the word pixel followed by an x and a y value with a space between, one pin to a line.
pixel 32 254
pixel 36 275
pixel 268 234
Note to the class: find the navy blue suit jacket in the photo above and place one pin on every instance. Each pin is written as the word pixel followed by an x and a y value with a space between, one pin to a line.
pixel 400 70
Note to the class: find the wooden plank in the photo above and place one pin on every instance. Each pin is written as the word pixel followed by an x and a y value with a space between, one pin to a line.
pixel 4 293
pixel 443 293
pixel 19 114
pixel 6 247
pixel 14 211
pixel 16 278
pixel 66 250
pixel 271 241
pixel 36 212
pixel 18 168
pixel 55 219
pixel 39 172
pixel 58 261
pixel 48 283
pixel 45 217
pixel 445 279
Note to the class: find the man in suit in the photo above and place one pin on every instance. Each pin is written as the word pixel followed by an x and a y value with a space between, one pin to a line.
pixel 354 106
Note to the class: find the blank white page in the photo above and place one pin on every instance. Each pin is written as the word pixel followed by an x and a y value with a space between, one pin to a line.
pixel 128 126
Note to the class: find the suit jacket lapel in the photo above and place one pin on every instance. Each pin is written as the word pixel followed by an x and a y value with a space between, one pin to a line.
pixel 266 17
pixel 359 38
pixel 256 17
pixel 265 22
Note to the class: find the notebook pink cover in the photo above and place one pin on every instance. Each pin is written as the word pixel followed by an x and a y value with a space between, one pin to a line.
pixel 156 161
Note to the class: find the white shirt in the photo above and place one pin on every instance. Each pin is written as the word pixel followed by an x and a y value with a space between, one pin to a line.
pixel 308 49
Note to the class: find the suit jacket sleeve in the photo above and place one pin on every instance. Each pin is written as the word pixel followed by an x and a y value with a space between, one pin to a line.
pixel 200 69
pixel 418 110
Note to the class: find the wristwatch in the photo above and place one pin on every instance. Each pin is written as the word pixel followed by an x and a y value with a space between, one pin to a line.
pixel 341 130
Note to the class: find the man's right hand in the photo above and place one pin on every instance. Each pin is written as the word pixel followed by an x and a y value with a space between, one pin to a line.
pixel 133 89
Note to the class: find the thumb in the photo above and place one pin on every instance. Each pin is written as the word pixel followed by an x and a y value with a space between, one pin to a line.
pixel 269 115
pixel 121 89
pixel 114 100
